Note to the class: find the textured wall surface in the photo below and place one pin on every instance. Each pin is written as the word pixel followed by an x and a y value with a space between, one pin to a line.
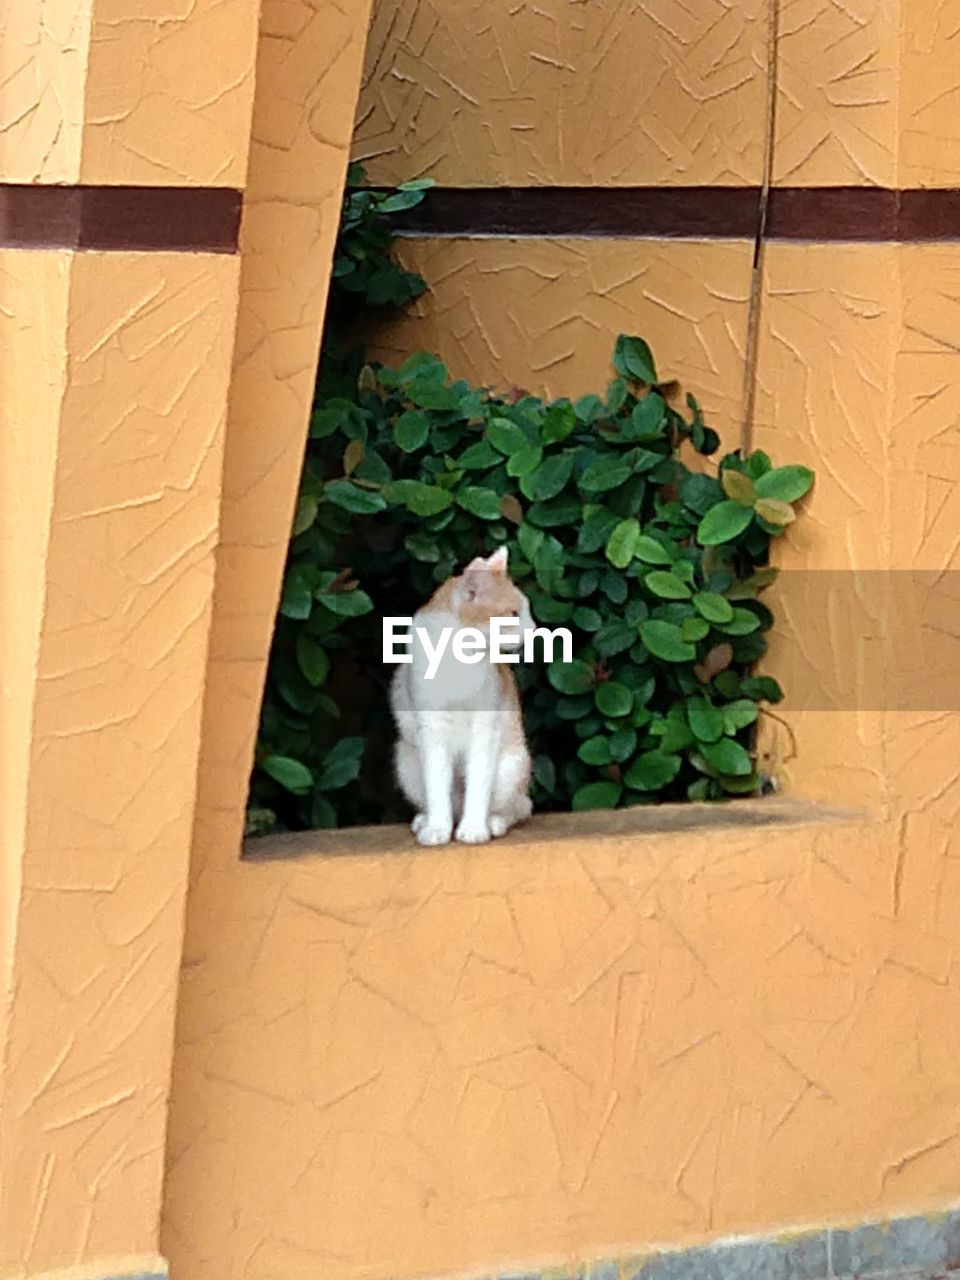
pixel 43 55
pixel 393 1062
pixel 106 92
pixel 405 1063
pixel 837 101
pixel 169 92
pixel 309 63
pixel 308 71
pixel 479 93
pixel 430 1062
pixel 656 93
pixel 128 509
pixel 544 314
pixel 929 120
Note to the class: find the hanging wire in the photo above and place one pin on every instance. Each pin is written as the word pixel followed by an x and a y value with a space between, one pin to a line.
pixel 749 396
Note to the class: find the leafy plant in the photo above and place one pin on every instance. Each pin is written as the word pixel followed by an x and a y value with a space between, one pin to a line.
pixel 656 565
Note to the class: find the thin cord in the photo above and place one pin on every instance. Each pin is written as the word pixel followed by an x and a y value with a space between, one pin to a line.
pixel 748 403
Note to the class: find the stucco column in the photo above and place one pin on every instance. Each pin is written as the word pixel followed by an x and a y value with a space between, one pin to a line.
pixel 123 154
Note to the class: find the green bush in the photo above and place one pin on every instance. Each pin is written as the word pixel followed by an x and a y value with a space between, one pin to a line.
pixel 654 564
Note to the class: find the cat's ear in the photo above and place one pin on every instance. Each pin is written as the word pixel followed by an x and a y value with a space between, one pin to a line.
pixel 474 581
pixel 498 561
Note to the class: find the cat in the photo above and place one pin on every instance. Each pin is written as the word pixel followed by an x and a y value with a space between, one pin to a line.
pixel 461 755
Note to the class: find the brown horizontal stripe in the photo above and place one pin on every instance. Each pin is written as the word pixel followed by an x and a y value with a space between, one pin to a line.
pixel 178 219
pixel 794 213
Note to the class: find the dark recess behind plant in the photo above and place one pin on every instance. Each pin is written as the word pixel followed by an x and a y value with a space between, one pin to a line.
pixel 655 566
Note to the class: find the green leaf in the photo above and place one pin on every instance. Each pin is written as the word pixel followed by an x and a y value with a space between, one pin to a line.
pixel 506 436
pixel 423 547
pixel 723 523
pixel 544 771
pixel 587 619
pixel 633 359
pixel 570 677
pixel 558 422
pixel 353 456
pixel 478 457
pixel 652 770
pixel 738 714
pixel 604 474
pixel 746 785
pixel 530 540
pixel 345 494
pixel 650 551
pixel 291 774
pixel 312 658
pixel 613 698
pixel 596 795
pixel 549 478
pixel 588 409
pixel 346 604
pixel 774 511
pixel 666 585
pixel 748 588
pixel 785 484
pixel 727 756
pixel 308 504
pixel 480 502
pixel 598 524
pixel 676 736
pixel 694 628
pixel 595 750
pixel 564 509
pixel 758 464
pixel 704 719
pixel 761 689
pixel 614 586
pixel 738 486
pixel 298 588
pixel 743 623
pixel 614 637
pixel 574 708
pixel 524 461
pixel 623 743
pixel 712 606
pixel 622 542
pixel 410 430
pixel 433 395
pixel 648 420
pixel 663 640
pixel 341 764
pixel 419 498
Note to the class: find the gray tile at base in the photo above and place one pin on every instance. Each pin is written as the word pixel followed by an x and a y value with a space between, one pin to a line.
pixel 802 1258
pixel 904 1245
pixel 141 1275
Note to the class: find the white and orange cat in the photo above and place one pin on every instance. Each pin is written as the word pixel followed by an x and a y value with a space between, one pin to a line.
pixel 461 756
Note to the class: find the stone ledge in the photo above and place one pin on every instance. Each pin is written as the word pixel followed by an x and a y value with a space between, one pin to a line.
pixel 924 1247
pixel 641 822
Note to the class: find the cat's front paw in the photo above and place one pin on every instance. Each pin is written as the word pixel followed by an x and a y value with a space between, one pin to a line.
pixel 430 832
pixel 469 832
pixel 499 824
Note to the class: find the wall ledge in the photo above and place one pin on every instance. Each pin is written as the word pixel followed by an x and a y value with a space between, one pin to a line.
pixel 641 823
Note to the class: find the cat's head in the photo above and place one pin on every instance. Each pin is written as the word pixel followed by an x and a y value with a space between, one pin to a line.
pixel 484 591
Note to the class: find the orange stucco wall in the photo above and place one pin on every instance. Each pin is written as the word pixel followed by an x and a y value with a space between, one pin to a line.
pixel 592 1036
pixel 611 93
pixel 101 725
pixel 114 369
